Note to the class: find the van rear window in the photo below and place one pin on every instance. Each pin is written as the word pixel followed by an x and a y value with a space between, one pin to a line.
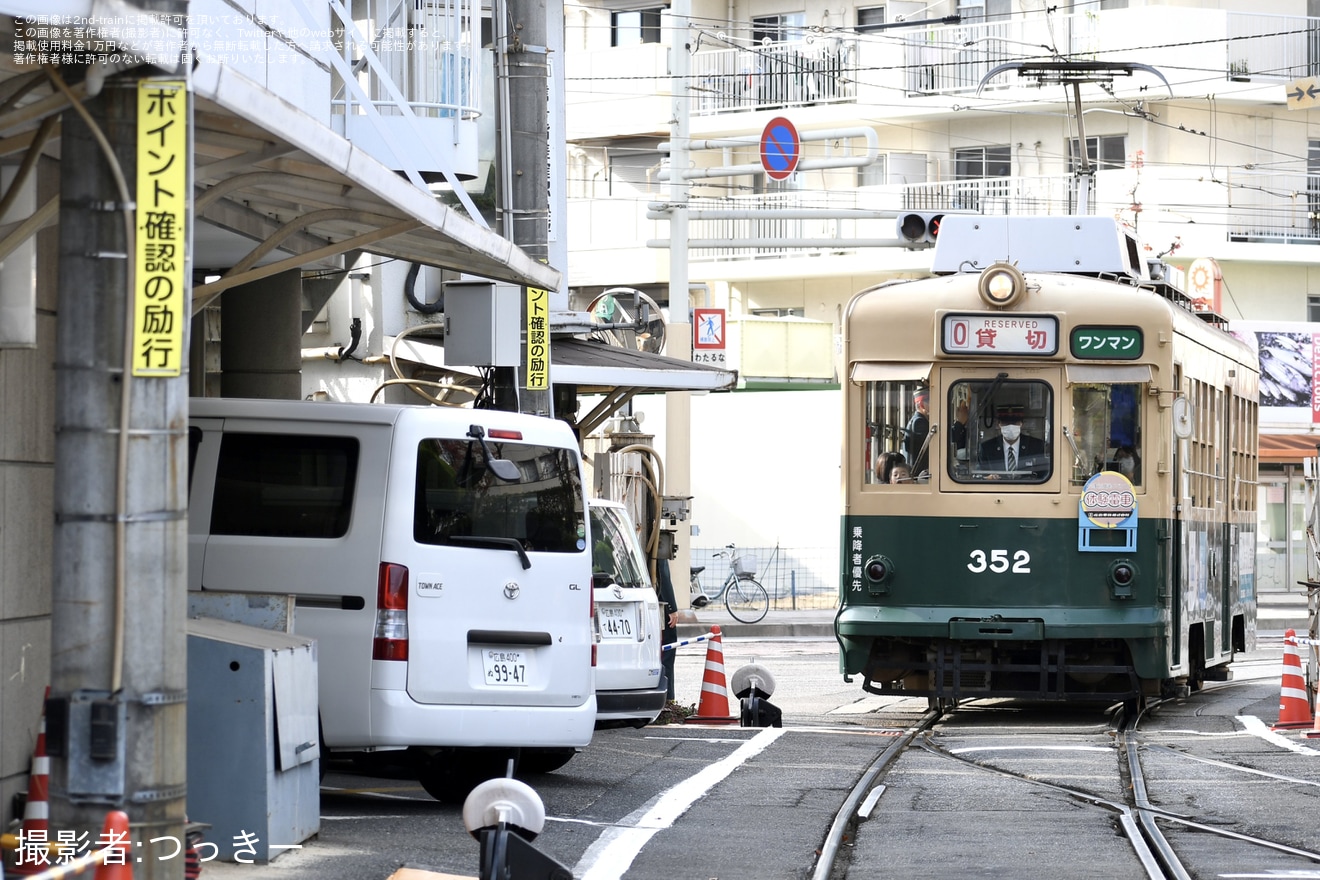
pixel 282 486
pixel 459 497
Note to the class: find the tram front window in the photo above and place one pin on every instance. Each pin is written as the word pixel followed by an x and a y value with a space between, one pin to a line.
pixel 1002 431
pixel 1105 434
pixel 898 442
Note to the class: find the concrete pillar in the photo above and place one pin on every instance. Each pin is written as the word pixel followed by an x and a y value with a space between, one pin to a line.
pixel 261 338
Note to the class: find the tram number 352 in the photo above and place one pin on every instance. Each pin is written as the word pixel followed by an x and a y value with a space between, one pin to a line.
pixel 998 562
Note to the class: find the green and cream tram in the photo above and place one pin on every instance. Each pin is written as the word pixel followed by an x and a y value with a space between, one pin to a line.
pixel 1049 467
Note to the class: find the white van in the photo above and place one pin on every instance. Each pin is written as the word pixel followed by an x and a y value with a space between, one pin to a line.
pixel 439 557
pixel 630 682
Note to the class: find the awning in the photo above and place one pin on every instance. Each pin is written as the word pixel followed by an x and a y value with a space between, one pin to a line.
pixel 872 371
pixel 1288 448
pixel 1118 374
pixel 597 368
pixel 273 173
pixel 617 374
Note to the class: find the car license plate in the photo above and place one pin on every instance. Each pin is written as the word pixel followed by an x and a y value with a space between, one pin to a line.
pixel 506 668
pixel 617 622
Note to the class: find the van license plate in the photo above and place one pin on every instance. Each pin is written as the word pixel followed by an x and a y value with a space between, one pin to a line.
pixel 506 668
pixel 617 623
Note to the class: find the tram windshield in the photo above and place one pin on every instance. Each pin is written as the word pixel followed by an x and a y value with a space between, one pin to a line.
pixel 1105 434
pixel 1002 430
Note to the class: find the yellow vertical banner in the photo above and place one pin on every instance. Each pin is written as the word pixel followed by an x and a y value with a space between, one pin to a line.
pixel 160 296
pixel 538 339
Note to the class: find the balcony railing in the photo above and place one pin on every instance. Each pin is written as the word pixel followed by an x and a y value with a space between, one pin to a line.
pixel 427 50
pixel 1272 47
pixel 1268 208
pixel 797 74
pixel 1273 208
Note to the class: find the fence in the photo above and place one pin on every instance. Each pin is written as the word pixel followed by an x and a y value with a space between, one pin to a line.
pixel 795 577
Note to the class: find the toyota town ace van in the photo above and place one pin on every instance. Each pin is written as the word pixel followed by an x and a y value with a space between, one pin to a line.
pixel 439 557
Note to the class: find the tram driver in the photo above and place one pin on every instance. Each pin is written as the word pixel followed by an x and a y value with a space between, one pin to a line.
pixel 1013 452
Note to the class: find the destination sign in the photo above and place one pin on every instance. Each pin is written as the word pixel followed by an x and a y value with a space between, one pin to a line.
pixel 1034 335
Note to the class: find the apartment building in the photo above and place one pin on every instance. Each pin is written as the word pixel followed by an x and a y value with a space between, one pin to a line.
pixel 1185 121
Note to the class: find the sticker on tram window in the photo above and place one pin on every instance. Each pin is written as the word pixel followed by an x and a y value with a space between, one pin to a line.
pixel 1106 343
pixel 1001 334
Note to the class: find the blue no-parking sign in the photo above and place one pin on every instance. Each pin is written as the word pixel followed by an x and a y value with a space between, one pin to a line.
pixel 780 149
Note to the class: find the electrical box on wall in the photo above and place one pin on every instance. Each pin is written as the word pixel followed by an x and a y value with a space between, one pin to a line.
pixel 482 324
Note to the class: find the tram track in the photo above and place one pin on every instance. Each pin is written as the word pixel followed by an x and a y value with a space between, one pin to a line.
pixel 1133 813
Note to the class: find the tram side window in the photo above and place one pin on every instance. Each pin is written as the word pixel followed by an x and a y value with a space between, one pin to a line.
pixel 897 441
pixel 1106 430
pixel 1003 431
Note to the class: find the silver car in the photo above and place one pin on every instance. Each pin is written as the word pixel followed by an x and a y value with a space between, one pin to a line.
pixel 630 681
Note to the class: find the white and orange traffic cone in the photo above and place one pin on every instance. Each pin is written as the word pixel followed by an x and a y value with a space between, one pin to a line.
pixel 36 813
pixel 714 705
pixel 118 864
pixel 1294 706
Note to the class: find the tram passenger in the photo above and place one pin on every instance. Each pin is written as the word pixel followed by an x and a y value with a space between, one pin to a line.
pixel 900 473
pixel 1012 451
pixel 884 465
pixel 917 431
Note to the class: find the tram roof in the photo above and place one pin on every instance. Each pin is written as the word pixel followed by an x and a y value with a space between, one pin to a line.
pixel 1076 245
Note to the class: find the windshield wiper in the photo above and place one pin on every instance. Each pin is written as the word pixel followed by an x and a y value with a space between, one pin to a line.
pixel 989 396
pixel 488 541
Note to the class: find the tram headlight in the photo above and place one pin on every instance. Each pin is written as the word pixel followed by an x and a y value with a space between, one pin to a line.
pixel 1001 285
pixel 878 570
pixel 1122 575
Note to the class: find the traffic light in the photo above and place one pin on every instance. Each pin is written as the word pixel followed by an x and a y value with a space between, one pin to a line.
pixel 919 227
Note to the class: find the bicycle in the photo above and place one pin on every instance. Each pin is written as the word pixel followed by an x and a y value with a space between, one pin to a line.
pixel 743 594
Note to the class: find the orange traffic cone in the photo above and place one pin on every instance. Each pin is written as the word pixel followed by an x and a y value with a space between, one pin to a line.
pixel 36 814
pixel 118 864
pixel 1294 706
pixel 714 705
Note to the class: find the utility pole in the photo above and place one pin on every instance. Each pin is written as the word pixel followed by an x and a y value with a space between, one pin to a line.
pixel 117 710
pixel 678 404
pixel 523 42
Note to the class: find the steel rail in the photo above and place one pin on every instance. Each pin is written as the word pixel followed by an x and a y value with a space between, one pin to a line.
pixel 829 850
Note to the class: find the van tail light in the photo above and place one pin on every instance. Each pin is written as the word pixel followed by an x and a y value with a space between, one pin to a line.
pixel 595 636
pixel 390 639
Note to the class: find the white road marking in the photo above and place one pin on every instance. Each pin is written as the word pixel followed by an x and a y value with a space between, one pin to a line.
pixel 613 852
pixel 1256 727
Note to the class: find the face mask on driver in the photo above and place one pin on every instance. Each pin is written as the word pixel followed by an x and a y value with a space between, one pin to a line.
pixel 1010 433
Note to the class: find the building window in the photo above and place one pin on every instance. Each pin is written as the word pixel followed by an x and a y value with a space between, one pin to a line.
pixel 784 28
pixel 1105 151
pixel 984 10
pixel 634 27
pixel 870 18
pixel 779 313
pixel 873 174
pixel 974 163
pixel 634 170
pixel 1313 309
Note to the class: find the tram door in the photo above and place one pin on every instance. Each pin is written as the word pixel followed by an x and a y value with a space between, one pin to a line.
pixel 1180 498
pixel 1227 556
